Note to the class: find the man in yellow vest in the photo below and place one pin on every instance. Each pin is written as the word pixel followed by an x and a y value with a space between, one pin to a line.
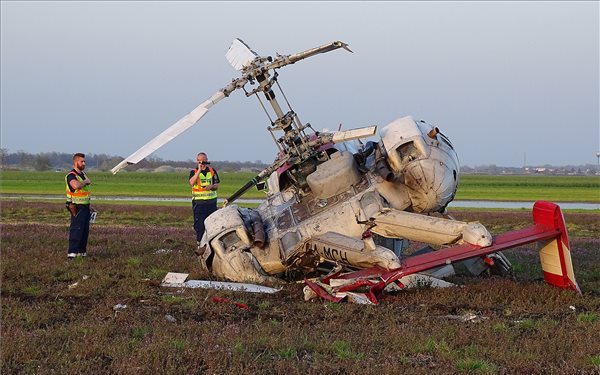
pixel 78 204
pixel 204 182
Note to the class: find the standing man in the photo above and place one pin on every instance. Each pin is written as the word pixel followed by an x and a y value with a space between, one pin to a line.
pixel 78 204
pixel 204 182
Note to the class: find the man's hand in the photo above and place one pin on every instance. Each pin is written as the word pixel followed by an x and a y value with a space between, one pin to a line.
pixel 87 180
pixel 72 209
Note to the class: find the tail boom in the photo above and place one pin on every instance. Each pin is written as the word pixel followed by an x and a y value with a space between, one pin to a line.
pixel 548 230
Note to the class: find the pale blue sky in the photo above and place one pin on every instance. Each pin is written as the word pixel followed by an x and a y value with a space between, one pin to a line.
pixel 501 79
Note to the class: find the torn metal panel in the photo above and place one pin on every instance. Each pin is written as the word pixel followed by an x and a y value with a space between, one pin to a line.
pixel 174 278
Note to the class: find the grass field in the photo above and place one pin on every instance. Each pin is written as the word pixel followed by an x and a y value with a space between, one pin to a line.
pixel 530 188
pixel 60 316
pixel 471 187
pixel 167 184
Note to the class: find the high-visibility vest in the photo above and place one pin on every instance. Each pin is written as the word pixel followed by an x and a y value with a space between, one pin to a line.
pixel 79 196
pixel 199 191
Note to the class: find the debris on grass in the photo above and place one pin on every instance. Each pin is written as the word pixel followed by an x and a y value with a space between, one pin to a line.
pixel 236 304
pixel 74 285
pixel 170 318
pixel 174 278
pixel 177 280
pixel 466 317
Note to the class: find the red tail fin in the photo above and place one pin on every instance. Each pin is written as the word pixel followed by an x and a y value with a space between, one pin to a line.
pixel 555 254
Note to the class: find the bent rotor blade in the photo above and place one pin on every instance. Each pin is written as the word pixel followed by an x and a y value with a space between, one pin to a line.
pixel 239 54
pixel 173 131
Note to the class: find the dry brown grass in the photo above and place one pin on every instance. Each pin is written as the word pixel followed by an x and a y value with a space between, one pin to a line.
pixel 49 326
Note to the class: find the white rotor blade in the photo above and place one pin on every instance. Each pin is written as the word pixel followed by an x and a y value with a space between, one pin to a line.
pixel 239 54
pixel 354 134
pixel 170 133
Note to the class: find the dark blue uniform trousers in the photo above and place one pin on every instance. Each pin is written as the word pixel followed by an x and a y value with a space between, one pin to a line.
pixel 79 229
pixel 202 208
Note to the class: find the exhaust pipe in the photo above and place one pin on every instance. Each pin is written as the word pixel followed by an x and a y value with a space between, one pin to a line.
pixel 381 166
pixel 258 230
pixel 433 132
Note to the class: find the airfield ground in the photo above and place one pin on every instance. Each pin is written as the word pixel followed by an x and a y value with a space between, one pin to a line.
pixel 107 313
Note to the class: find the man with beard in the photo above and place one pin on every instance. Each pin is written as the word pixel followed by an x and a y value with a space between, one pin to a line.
pixel 78 204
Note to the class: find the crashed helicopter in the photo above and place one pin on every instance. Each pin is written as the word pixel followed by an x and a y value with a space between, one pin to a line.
pixel 345 209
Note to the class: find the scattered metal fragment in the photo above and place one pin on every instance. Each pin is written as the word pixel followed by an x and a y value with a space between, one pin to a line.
pixel 363 288
pixel 177 280
pixel 466 317
pixel 75 284
pixel 174 278
pixel 170 318
pixel 239 305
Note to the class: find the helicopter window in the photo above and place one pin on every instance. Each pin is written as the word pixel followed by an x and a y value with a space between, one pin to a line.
pixel 284 220
pixel 284 181
pixel 446 140
pixel 408 152
pixel 370 204
pixel 289 242
pixel 230 239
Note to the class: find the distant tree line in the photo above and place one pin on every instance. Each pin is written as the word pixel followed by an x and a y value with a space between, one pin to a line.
pixel 62 161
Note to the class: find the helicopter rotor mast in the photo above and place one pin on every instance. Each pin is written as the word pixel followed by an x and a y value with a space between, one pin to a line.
pixel 294 143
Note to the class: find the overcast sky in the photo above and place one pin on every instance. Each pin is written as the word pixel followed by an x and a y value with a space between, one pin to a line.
pixel 507 82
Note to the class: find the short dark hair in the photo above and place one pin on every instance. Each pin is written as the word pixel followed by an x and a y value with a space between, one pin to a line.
pixel 78 155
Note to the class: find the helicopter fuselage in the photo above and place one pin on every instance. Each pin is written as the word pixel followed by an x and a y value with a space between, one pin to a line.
pixel 412 169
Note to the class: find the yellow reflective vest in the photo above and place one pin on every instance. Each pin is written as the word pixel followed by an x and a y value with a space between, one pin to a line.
pixel 79 196
pixel 198 190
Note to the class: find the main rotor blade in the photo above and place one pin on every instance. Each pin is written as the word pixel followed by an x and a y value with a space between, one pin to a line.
pixel 171 132
pixel 284 60
pixel 239 54
pixel 348 135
